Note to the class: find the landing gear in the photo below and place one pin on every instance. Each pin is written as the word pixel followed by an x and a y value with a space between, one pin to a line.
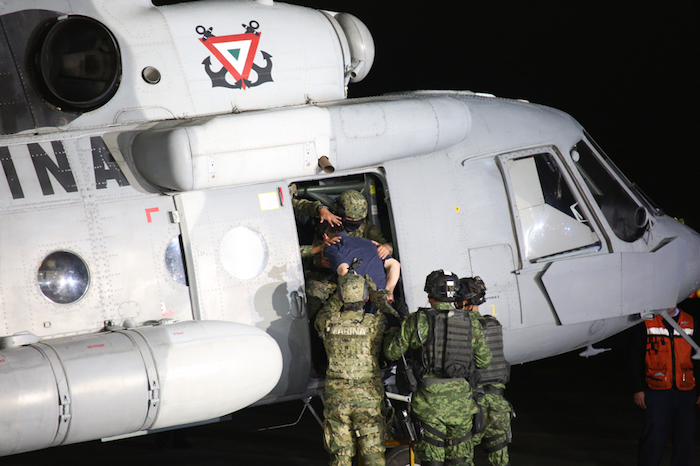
pixel 401 456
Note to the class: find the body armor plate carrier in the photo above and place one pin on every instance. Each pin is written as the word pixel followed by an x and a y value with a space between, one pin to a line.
pixel 499 369
pixel 352 345
pixel 447 351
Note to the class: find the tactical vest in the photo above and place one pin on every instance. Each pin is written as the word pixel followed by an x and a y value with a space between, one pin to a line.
pixel 352 341
pixel 668 356
pixel 499 369
pixel 447 351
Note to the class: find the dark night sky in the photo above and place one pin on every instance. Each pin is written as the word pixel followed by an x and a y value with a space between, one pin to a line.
pixel 626 73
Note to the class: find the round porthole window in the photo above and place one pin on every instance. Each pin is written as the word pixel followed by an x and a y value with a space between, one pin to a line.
pixel 63 277
pixel 79 64
pixel 244 253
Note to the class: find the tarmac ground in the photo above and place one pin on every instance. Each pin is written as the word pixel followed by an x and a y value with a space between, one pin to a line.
pixel 571 411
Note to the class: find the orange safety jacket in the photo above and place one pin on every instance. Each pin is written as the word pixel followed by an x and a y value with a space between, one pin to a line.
pixel 668 356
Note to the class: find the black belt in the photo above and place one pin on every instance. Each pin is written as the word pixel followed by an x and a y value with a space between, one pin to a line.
pixel 443 442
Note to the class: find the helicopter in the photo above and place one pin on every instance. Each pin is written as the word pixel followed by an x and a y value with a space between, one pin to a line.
pixel 152 276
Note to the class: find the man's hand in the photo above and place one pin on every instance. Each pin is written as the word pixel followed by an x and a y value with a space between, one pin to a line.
pixel 639 400
pixel 327 241
pixel 327 216
pixel 383 250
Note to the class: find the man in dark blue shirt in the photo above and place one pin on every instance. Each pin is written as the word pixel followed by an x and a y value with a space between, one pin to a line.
pixel 339 256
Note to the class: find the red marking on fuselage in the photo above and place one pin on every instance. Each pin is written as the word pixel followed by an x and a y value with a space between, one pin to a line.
pixel 151 211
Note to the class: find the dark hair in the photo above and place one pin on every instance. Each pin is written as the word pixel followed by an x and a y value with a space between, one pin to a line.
pixel 327 228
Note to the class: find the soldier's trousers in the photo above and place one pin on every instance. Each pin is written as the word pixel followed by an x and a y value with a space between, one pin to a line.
pixel 494 437
pixel 445 411
pixel 354 410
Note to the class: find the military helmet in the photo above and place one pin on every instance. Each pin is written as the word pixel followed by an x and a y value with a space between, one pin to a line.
pixel 442 285
pixel 472 290
pixel 352 288
pixel 354 204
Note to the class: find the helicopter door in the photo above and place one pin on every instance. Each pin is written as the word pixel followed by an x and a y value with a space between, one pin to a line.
pixel 552 226
pixel 244 266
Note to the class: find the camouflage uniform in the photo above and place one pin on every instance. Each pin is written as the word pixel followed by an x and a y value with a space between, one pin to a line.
pixel 354 392
pixel 445 409
pixel 496 411
pixel 353 205
pixel 306 208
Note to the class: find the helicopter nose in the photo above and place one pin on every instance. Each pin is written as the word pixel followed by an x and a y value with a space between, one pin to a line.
pixel 690 281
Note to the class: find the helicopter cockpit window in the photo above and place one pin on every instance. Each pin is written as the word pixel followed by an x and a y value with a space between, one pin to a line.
pixel 627 218
pixel 63 277
pixel 79 64
pixel 551 220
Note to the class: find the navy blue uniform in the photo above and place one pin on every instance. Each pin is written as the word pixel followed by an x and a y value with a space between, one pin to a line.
pixel 350 247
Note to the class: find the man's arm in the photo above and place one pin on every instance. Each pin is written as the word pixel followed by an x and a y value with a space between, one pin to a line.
pixel 482 353
pixel 398 340
pixel 313 209
pixel 305 207
pixel 370 231
pixel 309 208
pixel 342 269
pixel 636 365
pixel 383 250
pixel 392 268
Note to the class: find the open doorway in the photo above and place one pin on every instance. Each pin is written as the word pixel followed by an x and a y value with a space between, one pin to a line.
pixel 320 282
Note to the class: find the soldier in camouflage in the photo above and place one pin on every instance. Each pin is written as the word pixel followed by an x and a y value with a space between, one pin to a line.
pixel 445 346
pixel 354 212
pixel 319 279
pixel 320 282
pixel 354 392
pixel 311 209
pixel 492 422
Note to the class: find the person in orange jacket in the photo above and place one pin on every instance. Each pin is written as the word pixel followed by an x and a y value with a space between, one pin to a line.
pixel 663 384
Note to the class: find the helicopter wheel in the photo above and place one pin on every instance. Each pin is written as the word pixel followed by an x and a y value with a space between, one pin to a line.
pixel 400 456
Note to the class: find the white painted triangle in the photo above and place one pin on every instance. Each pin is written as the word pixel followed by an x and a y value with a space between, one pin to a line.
pixel 242 45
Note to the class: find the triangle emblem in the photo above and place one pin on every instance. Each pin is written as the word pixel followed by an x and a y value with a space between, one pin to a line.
pixel 235 52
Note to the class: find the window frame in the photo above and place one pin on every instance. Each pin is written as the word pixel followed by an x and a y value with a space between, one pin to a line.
pixel 634 193
pixel 581 198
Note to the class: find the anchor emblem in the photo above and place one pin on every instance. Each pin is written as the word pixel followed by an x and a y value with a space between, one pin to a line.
pixel 236 54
